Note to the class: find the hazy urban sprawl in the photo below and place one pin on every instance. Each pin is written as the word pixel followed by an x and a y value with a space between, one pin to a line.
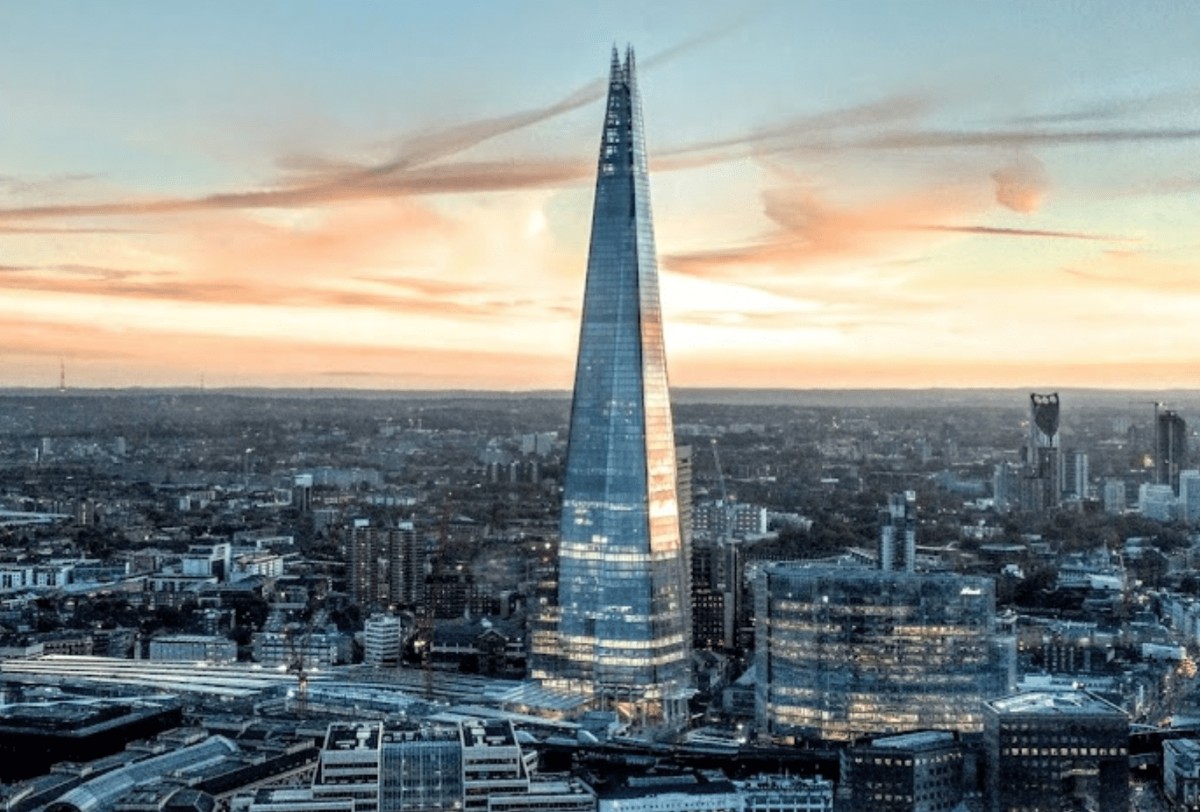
pixel 259 566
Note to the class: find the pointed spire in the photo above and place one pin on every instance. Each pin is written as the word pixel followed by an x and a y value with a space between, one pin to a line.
pixel 615 74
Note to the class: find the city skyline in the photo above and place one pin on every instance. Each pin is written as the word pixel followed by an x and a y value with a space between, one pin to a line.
pixel 388 196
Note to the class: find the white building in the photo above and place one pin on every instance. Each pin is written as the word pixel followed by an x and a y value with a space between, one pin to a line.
pixel 349 765
pixel 255 565
pixel 16 577
pixel 382 640
pixel 1157 502
pixel 1189 496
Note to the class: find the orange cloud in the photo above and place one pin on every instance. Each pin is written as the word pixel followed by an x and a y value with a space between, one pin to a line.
pixel 1021 185
pixel 810 229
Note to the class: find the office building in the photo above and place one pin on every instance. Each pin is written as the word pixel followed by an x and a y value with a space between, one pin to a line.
pixel 846 652
pixel 1189 496
pixel 898 533
pixel 1075 475
pixel 194 648
pixel 1006 486
pixel 349 765
pixel 722 519
pixel 1181 773
pixel 302 486
pixel 709 792
pixel 1157 502
pixel 386 567
pixel 1056 750
pixel 621 632
pixel 1114 496
pixel 382 641
pixel 717 593
pixel 912 772
pixel 1170 448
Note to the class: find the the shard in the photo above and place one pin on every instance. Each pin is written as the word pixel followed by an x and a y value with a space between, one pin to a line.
pixel 620 631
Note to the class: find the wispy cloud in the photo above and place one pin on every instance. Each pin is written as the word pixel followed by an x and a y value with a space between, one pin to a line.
pixel 1117 108
pixel 811 229
pixel 994 231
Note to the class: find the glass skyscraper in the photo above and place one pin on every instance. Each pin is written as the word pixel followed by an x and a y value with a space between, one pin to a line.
pixel 620 630
pixel 846 652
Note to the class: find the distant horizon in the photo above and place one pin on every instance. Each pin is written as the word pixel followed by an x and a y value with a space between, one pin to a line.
pixel 566 393
pixel 919 195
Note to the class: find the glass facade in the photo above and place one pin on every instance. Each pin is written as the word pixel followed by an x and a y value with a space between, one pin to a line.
pixel 420 771
pixel 848 652
pixel 621 630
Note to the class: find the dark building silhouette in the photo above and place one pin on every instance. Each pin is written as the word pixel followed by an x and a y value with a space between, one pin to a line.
pixel 1063 751
pixel 1041 485
pixel 1170 449
pixel 912 772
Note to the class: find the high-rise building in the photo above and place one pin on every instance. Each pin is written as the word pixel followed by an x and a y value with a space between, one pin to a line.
pixel 1061 750
pixel 621 625
pixel 1114 496
pixel 683 498
pixel 1075 474
pixel 385 567
pixel 1041 488
pixel 898 533
pixel 1170 448
pixel 845 652
pixel 1189 496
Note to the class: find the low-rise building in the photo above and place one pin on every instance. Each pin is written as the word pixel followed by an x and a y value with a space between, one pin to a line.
pixel 1051 750
pixel 1181 773
pixel 193 648
pixel 912 772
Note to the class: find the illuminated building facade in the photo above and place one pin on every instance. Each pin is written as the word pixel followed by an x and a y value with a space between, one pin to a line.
pixel 845 652
pixel 621 632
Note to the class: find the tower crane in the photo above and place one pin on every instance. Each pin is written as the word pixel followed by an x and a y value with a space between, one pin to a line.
pixel 726 512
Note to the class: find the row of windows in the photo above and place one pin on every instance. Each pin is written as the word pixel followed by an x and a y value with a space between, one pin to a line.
pixel 1063 751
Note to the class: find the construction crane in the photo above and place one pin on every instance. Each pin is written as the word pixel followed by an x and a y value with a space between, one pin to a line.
pixel 726 512
pixel 296 664
pixel 1155 451
pixel 426 615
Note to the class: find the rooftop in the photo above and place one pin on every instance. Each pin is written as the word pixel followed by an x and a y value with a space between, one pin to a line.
pixel 920 739
pixel 1055 703
pixel 343 736
pixel 488 733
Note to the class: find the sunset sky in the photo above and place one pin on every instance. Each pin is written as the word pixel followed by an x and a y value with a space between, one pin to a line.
pixel 397 195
